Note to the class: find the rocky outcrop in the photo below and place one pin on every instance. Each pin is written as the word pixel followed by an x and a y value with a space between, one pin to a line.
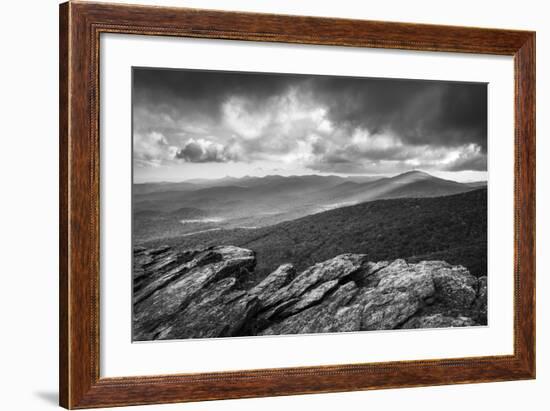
pixel 173 284
pixel 205 293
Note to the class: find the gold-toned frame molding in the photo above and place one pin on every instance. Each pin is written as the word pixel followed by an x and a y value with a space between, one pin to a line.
pixel 80 27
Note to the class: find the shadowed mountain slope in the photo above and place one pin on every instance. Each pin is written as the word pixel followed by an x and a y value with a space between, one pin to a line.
pixel 450 228
pixel 264 201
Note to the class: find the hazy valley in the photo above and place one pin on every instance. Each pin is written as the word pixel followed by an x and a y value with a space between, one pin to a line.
pixel 163 210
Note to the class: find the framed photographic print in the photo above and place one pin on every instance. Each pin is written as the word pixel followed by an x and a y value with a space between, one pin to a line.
pixel 258 205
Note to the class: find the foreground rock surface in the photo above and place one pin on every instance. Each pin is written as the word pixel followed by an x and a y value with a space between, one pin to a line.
pixel 204 294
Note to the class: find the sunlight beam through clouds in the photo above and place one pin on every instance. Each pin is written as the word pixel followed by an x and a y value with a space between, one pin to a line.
pixel 312 124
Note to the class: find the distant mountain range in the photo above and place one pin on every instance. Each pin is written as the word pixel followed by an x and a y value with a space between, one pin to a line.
pixel 172 209
pixel 286 197
pixel 246 181
pixel 415 184
pixel 451 228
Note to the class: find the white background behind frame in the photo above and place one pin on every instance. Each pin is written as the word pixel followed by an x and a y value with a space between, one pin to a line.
pixel 119 357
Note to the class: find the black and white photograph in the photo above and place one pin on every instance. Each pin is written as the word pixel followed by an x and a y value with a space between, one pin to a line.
pixel 276 203
pixel 247 205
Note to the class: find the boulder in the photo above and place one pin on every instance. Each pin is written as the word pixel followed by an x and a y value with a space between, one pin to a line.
pixel 207 267
pixel 273 282
pixel 455 286
pixel 324 317
pixel 400 291
pixel 335 268
pixel 217 311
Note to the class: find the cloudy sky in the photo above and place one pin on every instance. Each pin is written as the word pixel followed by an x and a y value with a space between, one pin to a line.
pixel 208 124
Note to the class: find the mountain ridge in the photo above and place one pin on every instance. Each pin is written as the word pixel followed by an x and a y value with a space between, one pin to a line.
pixel 272 199
pixel 360 177
pixel 452 228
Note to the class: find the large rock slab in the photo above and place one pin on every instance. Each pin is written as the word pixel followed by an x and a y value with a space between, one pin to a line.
pixel 335 268
pixel 400 291
pixel 273 282
pixel 211 265
pixel 218 311
pixel 329 316
pixel 455 286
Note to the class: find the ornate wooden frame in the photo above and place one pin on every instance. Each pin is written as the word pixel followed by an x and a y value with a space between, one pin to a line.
pixel 80 27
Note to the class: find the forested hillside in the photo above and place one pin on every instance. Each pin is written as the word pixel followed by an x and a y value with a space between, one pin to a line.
pixel 451 228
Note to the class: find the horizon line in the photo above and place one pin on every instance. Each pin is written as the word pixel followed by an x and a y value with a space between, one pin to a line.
pixel 387 175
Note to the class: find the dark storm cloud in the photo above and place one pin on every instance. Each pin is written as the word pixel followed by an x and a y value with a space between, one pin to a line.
pixel 420 112
pixel 203 151
pixel 338 122
pixel 204 91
